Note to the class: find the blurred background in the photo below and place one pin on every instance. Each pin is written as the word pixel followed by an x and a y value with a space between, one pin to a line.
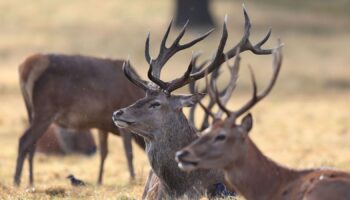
pixel 305 122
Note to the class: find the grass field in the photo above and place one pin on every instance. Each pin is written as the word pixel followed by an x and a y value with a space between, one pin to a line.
pixel 305 122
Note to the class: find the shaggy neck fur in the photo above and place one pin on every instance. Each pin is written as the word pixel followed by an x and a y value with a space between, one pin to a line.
pixel 161 153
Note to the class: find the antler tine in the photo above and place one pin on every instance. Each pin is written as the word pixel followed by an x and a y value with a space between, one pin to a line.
pixel 209 86
pixel 207 111
pixel 147 55
pixel 154 79
pixel 162 44
pixel 277 62
pixel 192 112
pixel 181 34
pixel 247 27
pixel 193 42
pixel 245 44
pixel 193 89
pixel 227 93
pixel 218 101
pixel 205 123
pixel 195 68
pixel 211 104
pixel 223 96
pixel 216 62
pixel 212 94
pixel 264 40
pixel 133 77
pixel 183 78
pixel 234 69
pixel 165 38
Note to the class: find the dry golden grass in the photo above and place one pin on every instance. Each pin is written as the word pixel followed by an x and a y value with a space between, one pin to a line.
pixel 304 123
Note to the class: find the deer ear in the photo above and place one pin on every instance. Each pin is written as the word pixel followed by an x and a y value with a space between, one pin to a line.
pixel 247 122
pixel 189 100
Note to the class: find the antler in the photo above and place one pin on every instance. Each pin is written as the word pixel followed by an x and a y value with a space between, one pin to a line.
pixel 222 97
pixel 277 62
pixel 188 77
pixel 192 85
pixel 192 88
pixel 207 109
pixel 225 97
pixel 133 77
pixel 244 45
pixel 166 53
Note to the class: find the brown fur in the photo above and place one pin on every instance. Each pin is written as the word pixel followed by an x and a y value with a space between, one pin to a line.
pixel 260 178
pixel 30 70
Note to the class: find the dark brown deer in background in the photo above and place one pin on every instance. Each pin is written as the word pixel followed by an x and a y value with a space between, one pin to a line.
pixel 77 92
pixel 158 117
pixel 228 146
pixel 62 141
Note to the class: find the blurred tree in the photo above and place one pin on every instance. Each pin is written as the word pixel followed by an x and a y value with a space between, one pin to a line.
pixel 197 11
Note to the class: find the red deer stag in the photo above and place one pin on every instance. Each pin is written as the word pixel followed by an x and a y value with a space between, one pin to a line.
pixel 78 92
pixel 158 117
pixel 58 140
pixel 227 146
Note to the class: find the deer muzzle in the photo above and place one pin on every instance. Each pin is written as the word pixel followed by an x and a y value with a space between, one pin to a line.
pixel 118 121
pixel 184 162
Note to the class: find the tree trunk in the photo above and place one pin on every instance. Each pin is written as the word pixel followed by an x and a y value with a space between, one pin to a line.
pixel 197 11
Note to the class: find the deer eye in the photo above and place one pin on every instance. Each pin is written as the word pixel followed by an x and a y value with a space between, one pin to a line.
pixel 220 138
pixel 155 104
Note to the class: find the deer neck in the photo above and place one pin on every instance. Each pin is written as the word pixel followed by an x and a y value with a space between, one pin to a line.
pixel 161 154
pixel 258 177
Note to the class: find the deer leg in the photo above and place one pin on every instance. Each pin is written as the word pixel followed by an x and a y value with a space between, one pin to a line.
pixel 19 165
pixel 128 151
pixel 103 140
pixel 27 145
pixel 30 162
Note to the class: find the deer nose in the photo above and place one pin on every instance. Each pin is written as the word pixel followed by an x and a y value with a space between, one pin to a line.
pixel 117 114
pixel 180 154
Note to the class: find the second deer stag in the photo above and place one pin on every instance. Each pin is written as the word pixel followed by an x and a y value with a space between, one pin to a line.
pixel 227 146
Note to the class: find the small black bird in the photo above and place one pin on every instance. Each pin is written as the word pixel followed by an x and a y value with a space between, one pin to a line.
pixel 75 182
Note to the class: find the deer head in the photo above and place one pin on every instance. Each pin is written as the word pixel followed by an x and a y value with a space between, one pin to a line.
pixel 226 141
pixel 160 106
